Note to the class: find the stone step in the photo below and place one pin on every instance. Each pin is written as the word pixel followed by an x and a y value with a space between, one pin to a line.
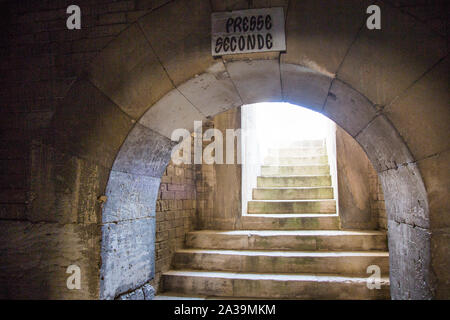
pixel 300 240
pixel 179 296
pixel 295 170
pixel 293 181
pixel 299 193
pixel 291 206
pixel 261 285
pixel 291 221
pixel 296 161
pixel 297 152
pixel 353 263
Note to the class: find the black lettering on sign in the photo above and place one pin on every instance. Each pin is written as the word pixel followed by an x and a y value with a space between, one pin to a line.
pixel 268 22
pixel 226 44
pixel 218 46
pixel 237 24
pixel 269 43
pixel 229 24
pixel 233 44
pixel 245 25
pixel 252 23
pixel 251 42
pixel 260 42
pixel 241 43
pixel 260 23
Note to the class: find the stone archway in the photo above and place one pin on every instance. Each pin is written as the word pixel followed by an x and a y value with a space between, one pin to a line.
pixel 158 75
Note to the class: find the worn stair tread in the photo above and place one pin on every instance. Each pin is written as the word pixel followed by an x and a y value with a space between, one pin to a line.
pixel 292 206
pixel 283 176
pixel 294 214
pixel 294 181
pixel 290 215
pixel 294 176
pixel 294 200
pixel 293 165
pixel 179 296
pixel 292 232
pixel 271 169
pixel 294 188
pixel 292 221
pixel 279 253
pixel 271 276
pixel 296 148
pixel 277 239
pixel 318 155
pixel 293 193
pixel 296 155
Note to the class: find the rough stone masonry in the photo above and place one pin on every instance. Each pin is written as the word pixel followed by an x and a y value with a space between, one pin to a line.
pixel 88 113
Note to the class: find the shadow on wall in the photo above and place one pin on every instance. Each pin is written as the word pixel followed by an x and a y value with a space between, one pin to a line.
pixel 361 200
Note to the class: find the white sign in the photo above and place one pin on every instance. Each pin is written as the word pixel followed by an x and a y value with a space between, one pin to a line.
pixel 254 30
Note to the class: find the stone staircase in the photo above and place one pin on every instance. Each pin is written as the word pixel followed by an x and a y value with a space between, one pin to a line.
pixel 290 245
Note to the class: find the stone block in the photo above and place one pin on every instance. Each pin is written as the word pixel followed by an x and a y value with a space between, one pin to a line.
pixel 256 80
pixel 409 256
pixel 422 113
pixel 382 64
pixel 318 38
pixel 35 258
pixel 89 125
pixel 211 92
pixel 144 152
pixel 64 188
pixel 383 145
pixel 435 173
pixel 129 73
pixel 348 108
pixel 137 294
pixel 270 4
pixel 128 254
pixel 146 292
pixel 440 260
pixel 130 197
pixel 229 5
pixel 179 33
pixel 149 292
pixel 406 197
pixel 303 86
pixel 173 111
pixel 13 211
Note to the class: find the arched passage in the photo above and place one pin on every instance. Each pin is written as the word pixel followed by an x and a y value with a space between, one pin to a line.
pixel 158 75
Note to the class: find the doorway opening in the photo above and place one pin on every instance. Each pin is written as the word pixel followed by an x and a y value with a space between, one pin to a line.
pixel 288 153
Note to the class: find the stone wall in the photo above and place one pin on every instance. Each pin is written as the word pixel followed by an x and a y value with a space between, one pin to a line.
pixel 49 203
pixel 219 185
pixel 377 204
pixel 206 184
pixel 42 59
pixel 175 214
pixel 49 198
pixel 361 200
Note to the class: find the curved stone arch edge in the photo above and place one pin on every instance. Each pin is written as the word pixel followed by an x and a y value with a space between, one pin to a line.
pixel 401 164
pixel 406 174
